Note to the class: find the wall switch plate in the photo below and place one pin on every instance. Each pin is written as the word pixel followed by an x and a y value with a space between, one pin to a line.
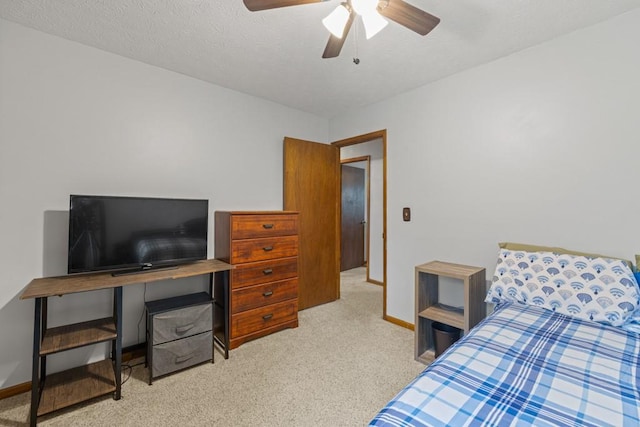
pixel 406 214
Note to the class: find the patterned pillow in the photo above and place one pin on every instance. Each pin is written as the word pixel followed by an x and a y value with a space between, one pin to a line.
pixel 632 323
pixel 503 288
pixel 598 289
pixel 527 247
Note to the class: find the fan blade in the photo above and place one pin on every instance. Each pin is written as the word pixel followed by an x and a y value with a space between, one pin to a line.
pixel 410 16
pixel 334 45
pixel 255 5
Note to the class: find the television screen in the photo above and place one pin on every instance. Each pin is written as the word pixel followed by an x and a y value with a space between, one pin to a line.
pixel 118 233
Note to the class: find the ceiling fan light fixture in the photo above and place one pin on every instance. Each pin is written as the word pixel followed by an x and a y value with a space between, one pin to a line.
pixel 364 7
pixel 336 20
pixel 373 24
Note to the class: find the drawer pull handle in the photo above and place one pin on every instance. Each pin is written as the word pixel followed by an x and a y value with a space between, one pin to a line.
pixel 267 271
pixel 267 294
pixel 182 359
pixel 267 317
pixel 268 248
pixel 267 226
pixel 183 329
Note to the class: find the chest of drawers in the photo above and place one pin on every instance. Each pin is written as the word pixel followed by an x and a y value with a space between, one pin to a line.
pixel 263 247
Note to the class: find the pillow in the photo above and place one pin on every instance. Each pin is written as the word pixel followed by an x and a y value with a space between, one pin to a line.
pixel 503 288
pixel 536 248
pixel 599 289
pixel 632 324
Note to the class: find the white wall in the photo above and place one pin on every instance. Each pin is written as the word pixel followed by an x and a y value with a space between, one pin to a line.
pixel 74 119
pixel 540 147
pixel 373 149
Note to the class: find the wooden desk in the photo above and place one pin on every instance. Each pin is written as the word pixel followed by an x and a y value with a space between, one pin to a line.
pixel 78 384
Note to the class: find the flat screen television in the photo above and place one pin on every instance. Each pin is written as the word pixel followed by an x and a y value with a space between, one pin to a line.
pixel 135 233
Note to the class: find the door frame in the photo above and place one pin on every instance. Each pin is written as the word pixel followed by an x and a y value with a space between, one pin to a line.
pixel 360 139
pixel 368 208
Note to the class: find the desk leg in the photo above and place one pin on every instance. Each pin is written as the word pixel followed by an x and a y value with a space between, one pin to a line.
pixel 225 285
pixel 212 277
pixel 117 344
pixel 35 363
pixel 213 317
pixel 221 296
pixel 44 315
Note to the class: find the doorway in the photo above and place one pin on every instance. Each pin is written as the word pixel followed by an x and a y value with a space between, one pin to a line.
pixel 312 187
pixel 371 149
pixel 354 215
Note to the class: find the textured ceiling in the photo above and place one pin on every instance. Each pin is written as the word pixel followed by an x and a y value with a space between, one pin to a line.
pixel 276 54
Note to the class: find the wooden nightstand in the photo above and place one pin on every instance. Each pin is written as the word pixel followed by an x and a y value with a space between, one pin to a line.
pixel 429 310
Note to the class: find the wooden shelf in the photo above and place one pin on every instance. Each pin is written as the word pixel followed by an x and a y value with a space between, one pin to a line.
pixel 77 335
pixel 429 309
pixel 63 285
pixel 453 317
pixel 427 357
pixel 448 269
pixel 76 385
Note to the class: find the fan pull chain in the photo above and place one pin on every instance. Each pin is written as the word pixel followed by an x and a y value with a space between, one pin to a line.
pixel 356 60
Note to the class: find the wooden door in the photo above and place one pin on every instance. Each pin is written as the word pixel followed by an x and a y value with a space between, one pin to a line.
pixel 312 187
pixel 352 218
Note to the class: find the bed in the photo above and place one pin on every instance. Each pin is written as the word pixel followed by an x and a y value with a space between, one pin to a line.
pixel 537 363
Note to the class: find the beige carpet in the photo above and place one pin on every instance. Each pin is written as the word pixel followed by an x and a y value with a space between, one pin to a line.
pixel 338 368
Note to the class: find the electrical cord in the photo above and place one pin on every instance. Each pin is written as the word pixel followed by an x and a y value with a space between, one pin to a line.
pixel 129 369
pixel 144 298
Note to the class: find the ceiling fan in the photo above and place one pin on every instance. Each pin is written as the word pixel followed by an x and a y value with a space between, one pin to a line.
pixel 373 13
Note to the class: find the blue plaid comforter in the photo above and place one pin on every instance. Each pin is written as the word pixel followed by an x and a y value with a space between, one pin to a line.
pixel 526 365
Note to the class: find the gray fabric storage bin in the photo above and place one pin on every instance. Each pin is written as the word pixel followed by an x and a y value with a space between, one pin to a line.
pixel 175 355
pixel 180 323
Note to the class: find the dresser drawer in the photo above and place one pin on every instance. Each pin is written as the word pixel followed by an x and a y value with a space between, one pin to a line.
pixel 264 271
pixel 175 324
pixel 263 285
pixel 265 225
pixel 260 295
pixel 180 354
pixel 264 317
pixel 263 249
